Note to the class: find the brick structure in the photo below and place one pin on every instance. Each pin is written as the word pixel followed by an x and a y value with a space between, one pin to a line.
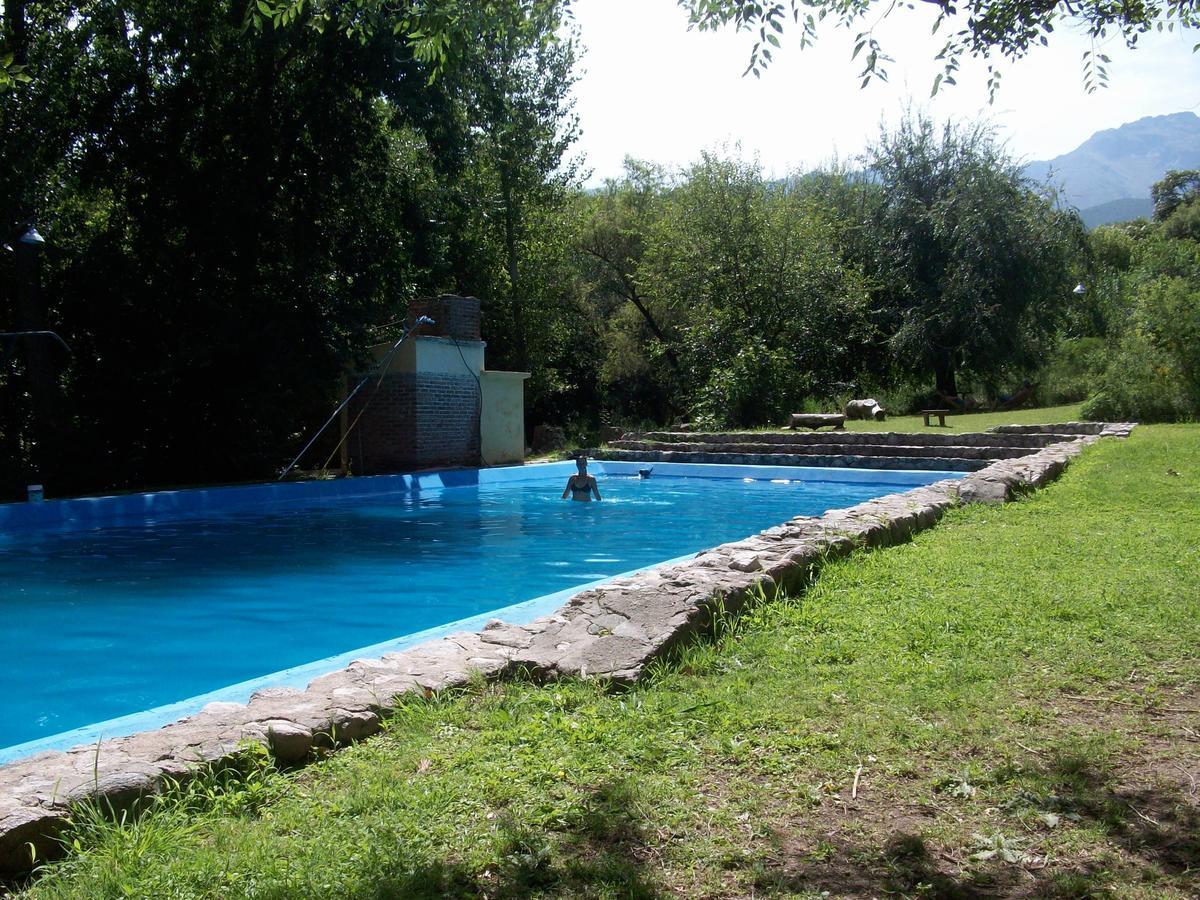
pixel 428 411
pixel 453 317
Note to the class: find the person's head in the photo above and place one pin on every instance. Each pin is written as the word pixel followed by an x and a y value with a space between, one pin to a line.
pixel 581 465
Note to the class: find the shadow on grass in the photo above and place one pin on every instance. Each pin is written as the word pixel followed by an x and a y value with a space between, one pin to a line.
pixel 1159 827
pixel 597 850
pixel 1155 825
pixel 904 866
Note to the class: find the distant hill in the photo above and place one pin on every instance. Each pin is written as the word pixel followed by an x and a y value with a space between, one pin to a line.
pixel 1108 176
pixel 1123 210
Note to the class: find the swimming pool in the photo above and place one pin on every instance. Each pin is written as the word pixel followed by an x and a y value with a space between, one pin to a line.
pixel 149 606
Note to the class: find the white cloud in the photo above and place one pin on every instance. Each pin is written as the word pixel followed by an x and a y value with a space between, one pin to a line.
pixel 654 90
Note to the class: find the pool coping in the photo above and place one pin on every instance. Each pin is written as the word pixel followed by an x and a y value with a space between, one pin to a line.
pixel 611 631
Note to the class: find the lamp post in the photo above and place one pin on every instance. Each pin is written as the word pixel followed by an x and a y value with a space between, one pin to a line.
pixel 31 315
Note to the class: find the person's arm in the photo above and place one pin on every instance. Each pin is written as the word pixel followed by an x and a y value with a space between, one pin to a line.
pixel 566 490
pixel 595 487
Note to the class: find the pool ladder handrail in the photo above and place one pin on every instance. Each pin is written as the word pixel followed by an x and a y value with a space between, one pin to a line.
pixel 381 368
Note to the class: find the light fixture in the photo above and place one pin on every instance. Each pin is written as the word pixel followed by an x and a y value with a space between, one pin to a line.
pixel 31 237
pixel 1080 290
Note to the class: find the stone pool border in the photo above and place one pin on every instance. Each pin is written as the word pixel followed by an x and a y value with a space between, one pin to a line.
pixel 611 632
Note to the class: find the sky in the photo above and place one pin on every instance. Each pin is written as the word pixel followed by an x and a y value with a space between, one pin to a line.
pixel 651 89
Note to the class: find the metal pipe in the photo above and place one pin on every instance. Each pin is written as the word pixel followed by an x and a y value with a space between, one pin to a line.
pixel 381 368
pixel 41 333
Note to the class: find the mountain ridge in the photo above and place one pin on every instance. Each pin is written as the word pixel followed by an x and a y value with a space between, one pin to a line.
pixel 1108 177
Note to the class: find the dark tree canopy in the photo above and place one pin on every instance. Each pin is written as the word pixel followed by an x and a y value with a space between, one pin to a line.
pixel 436 34
pixel 231 211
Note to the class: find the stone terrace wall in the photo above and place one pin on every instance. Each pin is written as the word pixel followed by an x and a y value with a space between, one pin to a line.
pixel 1033 441
pixel 833 460
pixel 1062 428
pixel 609 632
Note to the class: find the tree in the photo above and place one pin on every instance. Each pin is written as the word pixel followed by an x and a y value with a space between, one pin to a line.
pixel 1176 189
pixel 986 29
pixel 435 34
pixel 767 312
pixel 975 264
pixel 612 241
pixel 517 87
pixel 1151 364
pixel 230 213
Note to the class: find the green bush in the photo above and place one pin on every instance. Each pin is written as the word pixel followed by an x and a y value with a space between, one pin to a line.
pixel 1169 313
pixel 1154 374
pixel 758 386
pixel 1073 371
pixel 1141 383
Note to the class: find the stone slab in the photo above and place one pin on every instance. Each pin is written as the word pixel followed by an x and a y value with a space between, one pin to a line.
pixel 816 420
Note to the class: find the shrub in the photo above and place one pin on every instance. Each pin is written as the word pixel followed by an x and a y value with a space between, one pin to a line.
pixel 758 386
pixel 1168 312
pixel 1140 383
pixel 1154 374
pixel 1073 371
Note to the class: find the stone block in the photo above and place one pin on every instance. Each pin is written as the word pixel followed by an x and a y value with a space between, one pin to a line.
pixel 289 742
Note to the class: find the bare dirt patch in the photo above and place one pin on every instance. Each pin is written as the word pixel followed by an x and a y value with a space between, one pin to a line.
pixel 1053 823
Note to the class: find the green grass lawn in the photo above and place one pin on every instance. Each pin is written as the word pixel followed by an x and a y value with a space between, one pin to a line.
pixel 980 421
pixel 1009 705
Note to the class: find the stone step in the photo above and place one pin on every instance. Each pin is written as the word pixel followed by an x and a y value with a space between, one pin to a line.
pixel 1033 441
pixel 838 461
pixel 1075 428
pixel 828 449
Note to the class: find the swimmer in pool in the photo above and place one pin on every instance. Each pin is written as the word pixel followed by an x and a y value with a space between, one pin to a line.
pixel 581 486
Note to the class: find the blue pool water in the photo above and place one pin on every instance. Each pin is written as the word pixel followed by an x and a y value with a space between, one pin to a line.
pixel 100 623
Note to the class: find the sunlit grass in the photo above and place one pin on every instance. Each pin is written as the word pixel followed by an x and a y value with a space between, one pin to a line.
pixel 977 421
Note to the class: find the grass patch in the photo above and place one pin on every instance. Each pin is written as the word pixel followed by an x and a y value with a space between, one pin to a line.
pixel 969 422
pixel 1006 706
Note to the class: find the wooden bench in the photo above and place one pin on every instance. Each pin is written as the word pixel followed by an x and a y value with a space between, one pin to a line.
pixel 940 413
pixel 816 420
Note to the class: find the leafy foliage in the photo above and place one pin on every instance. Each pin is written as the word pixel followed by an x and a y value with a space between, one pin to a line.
pixel 1150 276
pixel 767 312
pixel 975 263
pixel 1176 189
pixel 231 212
pixel 986 29
pixel 734 299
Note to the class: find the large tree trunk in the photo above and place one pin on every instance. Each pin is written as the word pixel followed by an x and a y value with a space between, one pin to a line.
pixel 944 376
